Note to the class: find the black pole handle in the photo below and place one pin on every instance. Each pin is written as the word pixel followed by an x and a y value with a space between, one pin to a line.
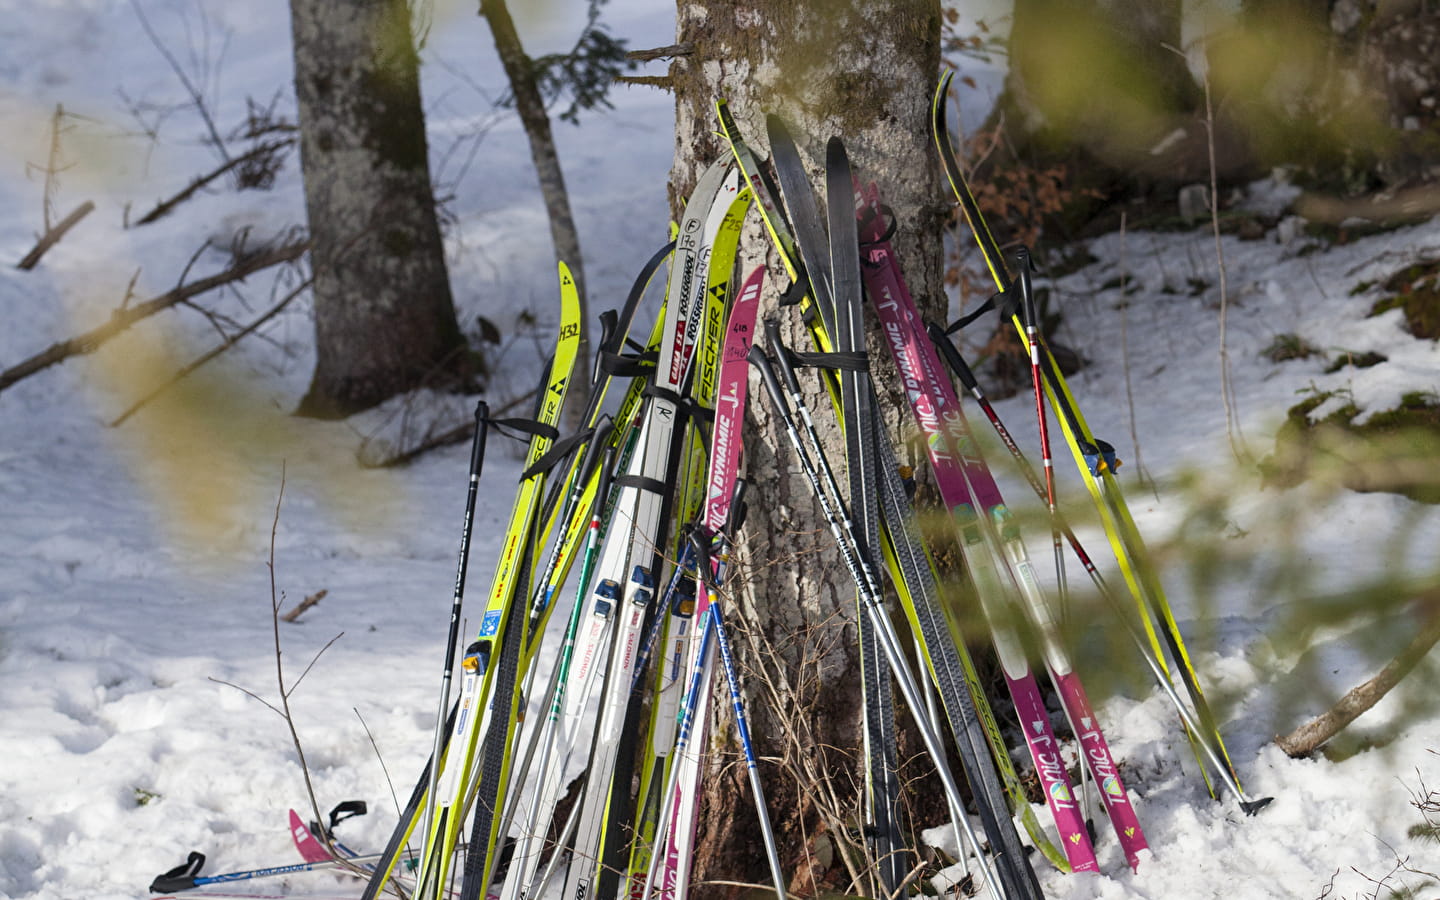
pixel 180 878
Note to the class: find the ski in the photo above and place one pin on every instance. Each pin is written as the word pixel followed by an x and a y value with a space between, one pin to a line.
pixel 882 778
pixel 1096 463
pixel 483 659
pixel 632 556
pixel 669 878
pixel 969 491
pixel 675 620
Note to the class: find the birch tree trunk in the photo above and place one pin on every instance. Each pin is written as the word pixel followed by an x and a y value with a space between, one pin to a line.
pixel 384 317
pixel 863 70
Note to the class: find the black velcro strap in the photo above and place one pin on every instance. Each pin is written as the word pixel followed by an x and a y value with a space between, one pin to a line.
pixel 558 451
pixel 700 417
pixel 796 292
pixel 852 360
pixel 641 483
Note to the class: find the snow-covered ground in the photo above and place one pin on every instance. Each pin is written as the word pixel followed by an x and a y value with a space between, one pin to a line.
pixel 134 587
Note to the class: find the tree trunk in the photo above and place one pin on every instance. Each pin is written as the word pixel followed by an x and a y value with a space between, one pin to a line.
pixel 530 105
pixel 1102 76
pixel 863 70
pixel 384 318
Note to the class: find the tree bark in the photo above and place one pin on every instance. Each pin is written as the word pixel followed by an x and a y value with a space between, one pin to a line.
pixel 863 70
pixel 384 317
pixel 530 105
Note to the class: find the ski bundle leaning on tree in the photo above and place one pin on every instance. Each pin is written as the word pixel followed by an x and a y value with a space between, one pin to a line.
pixel 595 793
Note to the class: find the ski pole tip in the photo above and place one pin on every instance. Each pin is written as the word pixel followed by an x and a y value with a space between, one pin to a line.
pixel 1251 807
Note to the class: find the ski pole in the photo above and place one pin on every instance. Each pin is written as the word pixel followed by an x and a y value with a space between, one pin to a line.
pixel 477 460
pixel 967 378
pixel 186 876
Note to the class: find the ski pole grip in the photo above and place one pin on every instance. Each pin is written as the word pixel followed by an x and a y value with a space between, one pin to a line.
pixel 1027 293
pixel 594 449
pixel 761 361
pixel 952 356
pixel 180 878
pixel 609 320
pixel 783 358
pixel 736 518
pixel 482 428
pixel 607 468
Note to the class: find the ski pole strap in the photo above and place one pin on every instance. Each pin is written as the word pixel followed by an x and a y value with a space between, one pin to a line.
pixel 1100 457
pixel 641 483
pixel 180 878
pixel 622 365
pixel 867 223
pixel 799 287
pixel 347 810
pixel 558 451
pixel 1006 302
pixel 525 427
pixel 852 360
pixel 736 519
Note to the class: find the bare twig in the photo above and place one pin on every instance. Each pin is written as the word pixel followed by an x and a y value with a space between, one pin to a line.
pixel 196 96
pixel 52 236
pixel 165 206
pixel 1145 479
pixel 394 798
pixel 1227 390
pixel 249 693
pixel 275 600
pixel 305 604
pixel 313 660
pixel 670 52
pixel 122 319
pixel 206 357
pixel 446 438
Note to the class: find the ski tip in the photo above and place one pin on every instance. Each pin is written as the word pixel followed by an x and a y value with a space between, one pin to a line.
pixel 1251 807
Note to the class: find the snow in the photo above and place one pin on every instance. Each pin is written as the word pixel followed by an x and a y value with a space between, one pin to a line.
pixel 135 592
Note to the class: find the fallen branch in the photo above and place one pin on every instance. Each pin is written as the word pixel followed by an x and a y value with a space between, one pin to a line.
pixel 452 436
pixel 124 318
pixel 162 208
pixel 53 236
pixel 1308 737
pixel 229 342
pixel 305 604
